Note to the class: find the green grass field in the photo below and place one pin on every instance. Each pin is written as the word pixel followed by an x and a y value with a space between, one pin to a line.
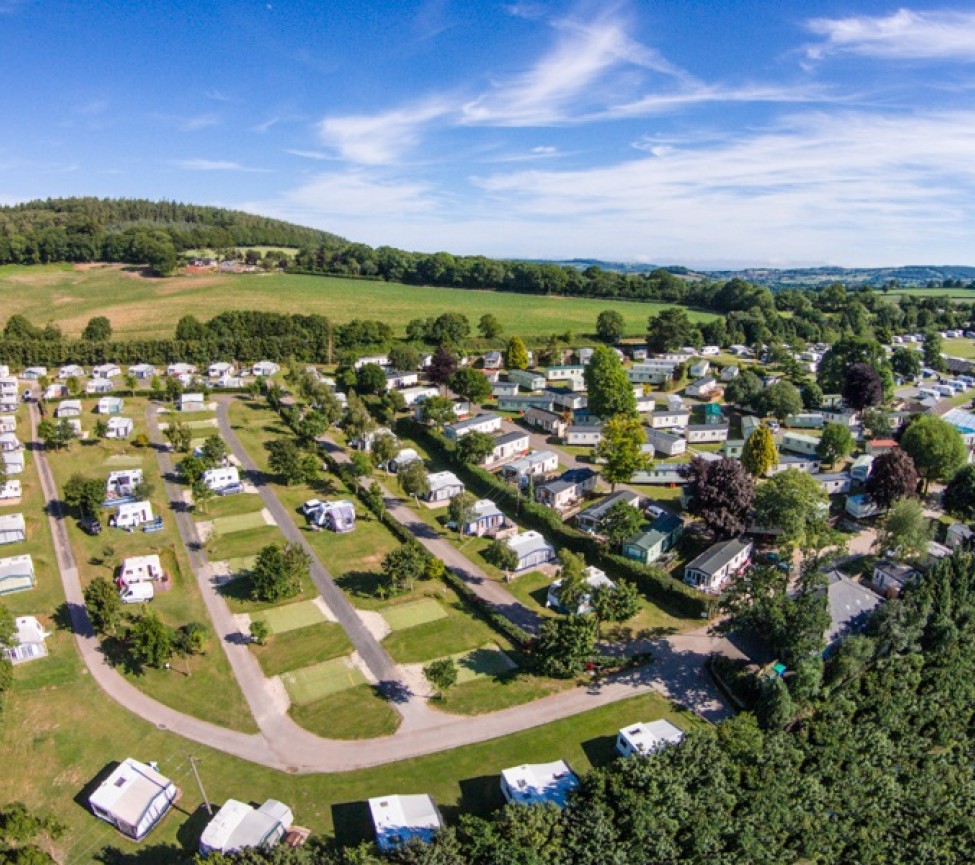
pixel 302 647
pixel 290 617
pixel 239 523
pixel 414 613
pixel 959 347
pixel 149 308
pixel 309 684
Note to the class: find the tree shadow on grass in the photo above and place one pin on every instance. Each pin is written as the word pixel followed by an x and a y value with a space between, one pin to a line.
pixel 239 588
pixel 118 655
pixel 353 823
pixel 601 750
pixel 154 854
pixel 361 584
pixel 480 795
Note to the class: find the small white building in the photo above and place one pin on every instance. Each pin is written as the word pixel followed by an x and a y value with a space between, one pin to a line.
pixel 220 368
pixel 13 529
pixel 584 434
pixel 131 514
pixel 861 506
pixel 180 369
pixel 538 783
pixel 534 464
pixel 134 798
pixel 140 569
pixel 8 423
pixel 729 373
pixel 716 565
pixel 399 819
pixel 506 446
pixel 265 368
pixel 16 574
pixel 643 739
pixel 703 387
pixel 221 477
pixel 377 359
pixel 9 491
pixel 106 370
pixel 443 486
pixel 667 443
pixel 486 423
pixel 670 418
pixel 239 826
pixel 119 428
pixel 110 405
pixel 397 379
pixel 33 373
pixel 531 549
pixel 403 458
pixel 192 402
pixel 415 395
pixel 9 442
pixel 29 638
pixel 704 433
pixel 13 462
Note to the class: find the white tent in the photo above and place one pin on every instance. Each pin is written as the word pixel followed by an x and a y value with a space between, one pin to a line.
pixel 134 798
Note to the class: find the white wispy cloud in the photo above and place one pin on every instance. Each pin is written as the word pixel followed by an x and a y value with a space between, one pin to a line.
pixel 355 194
pixel 266 125
pixel 197 122
pixel 216 165
pixel 573 72
pixel 902 35
pixel 381 139
pixel 317 155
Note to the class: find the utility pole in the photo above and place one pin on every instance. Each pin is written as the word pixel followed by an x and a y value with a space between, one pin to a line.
pixel 199 783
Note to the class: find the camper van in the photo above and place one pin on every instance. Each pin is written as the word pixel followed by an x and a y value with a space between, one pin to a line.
pixel 137 593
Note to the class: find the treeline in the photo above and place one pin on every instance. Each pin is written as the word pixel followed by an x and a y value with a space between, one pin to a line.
pixel 236 335
pixel 881 771
pixel 135 231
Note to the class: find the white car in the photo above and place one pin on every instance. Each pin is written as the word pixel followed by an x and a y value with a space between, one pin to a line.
pixel 137 593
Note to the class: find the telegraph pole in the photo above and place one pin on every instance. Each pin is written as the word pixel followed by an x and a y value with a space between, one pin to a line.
pixel 199 783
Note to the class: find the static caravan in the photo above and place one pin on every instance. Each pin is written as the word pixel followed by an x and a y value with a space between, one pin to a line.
pixel 799 443
pixel 110 405
pixel 810 420
pixel 13 462
pixel 221 477
pixel 106 370
pixel 860 470
pixel 16 574
pixel 644 739
pixel 526 379
pixel 119 428
pixel 192 402
pixel 656 539
pixel 122 483
pixel 670 419
pixel 506 446
pixel 265 368
pixel 534 464
pixel 531 550
pixel 68 408
pixel 707 432
pixel 590 518
pixel 667 443
pixel 716 565
pixel 486 423
pixel 539 783
pixel 134 798
pixel 239 826
pixel 13 529
pixel 397 820
pixel 443 487
pixel 584 435
pixel 9 492
pixel 132 514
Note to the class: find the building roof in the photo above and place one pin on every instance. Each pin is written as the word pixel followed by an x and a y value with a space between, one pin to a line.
pixel 475 421
pixel 718 555
pixel 849 605
pixel 646 738
pixel 238 825
pixel 584 428
pixel 533 783
pixel 598 509
pixel 129 791
pixel 399 818
pixel 528 542
pixel 439 480
pixel 508 438
pixel 662 527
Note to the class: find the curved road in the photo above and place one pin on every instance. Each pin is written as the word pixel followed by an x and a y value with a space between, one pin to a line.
pixel 677 672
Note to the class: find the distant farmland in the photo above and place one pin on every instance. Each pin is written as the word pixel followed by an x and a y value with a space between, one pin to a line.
pixel 140 307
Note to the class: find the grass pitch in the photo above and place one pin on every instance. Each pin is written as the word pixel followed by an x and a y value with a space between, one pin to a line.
pixel 414 613
pixel 291 616
pixel 239 523
pixel 312 683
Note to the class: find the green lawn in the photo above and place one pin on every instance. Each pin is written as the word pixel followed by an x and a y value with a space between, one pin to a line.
pixel 65 757
pixel 960 347
pixel 358 712
pixel 206 687
pixel 149 308
pixel 239 523
pixel 308 684
pixel 246 543
pixel 413 614
pixel 302 647
pixel 291 617
pixel 229 506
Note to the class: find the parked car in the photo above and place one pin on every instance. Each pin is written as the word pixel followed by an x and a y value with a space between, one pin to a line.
pixel 137 593
pixel 230 490
pixel 90 526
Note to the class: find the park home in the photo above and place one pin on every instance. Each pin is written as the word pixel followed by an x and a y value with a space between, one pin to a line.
pixel 565 491
pixel 398 820
pixel 531 550
pixel 415 395
pixel 33 373
pixel 134 798
pixel 594 579
pixel 729 373
pixel 715 566
pixel 526 379
pixel 659 537
pixel 13 529
pixel 644 739
pixel 733 448
pixel 810 420
pixel 486 423
pixel 860 470
pixel 834 483
pixel 699 368
pixel 9 442
pixel 403 458
pixel 16 574
pixel 486 520
pixel 131 514
pixel 68 408
pixel 493 360
pixel 142 371
pixel 9 492
pixel 122 483
pixel 652 371
pixel 140 569
pixel 96 386
pixel 239 826
pixel 522 402
pixel 702 388
pixel 548 421
pixel 810 465
pixel 110 405
pixel 220 368
pixel 667 443
pixel 190 402
pixel 875 447
pixel 443 487
pixel 506 446
pixel 843 416
pixel 706 432
pixel 565 400
pixel 13 462
pixel 397 380
pixel 584 434
pixel 377 359
pixel 106 370
pixel 178 370
pixel 504 388
pixel 799 443
pixel 118 428
pixel 221 477
pixel 539 783
pixel 589 519
pixel 55 391
pixel 670 419
pixel 71 370
pixel 861 507
pixel 534 464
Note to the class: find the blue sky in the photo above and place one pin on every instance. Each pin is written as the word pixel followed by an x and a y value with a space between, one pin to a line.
pixel 694 132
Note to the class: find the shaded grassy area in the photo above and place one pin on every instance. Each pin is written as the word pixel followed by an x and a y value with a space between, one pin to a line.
pixel 299 648
pixel 498 692
pixel 355 713
pixel 320 680
pixel 150 308
pixel 532 589
pixel 64 758
pixel 202 685
pixel 236 545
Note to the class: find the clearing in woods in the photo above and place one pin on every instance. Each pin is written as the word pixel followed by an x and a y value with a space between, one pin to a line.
pixel 145 308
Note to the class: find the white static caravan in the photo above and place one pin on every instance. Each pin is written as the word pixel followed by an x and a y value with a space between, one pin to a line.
pixel 531 549
pixel 799 443
pixel 134 798
pixel 119 428
pixel 132 514
pixel 643 739
pixel 106 370
pixel 443 486
pixel 192 402
pixel 122 483
pixel 16 574
pixel 140 569
pixel 265 368
pixel 538 783
pixel 399 819
pixel 13 529
pixel 13 462
pixel 9 492
pixel 414 395
pixel 221 477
